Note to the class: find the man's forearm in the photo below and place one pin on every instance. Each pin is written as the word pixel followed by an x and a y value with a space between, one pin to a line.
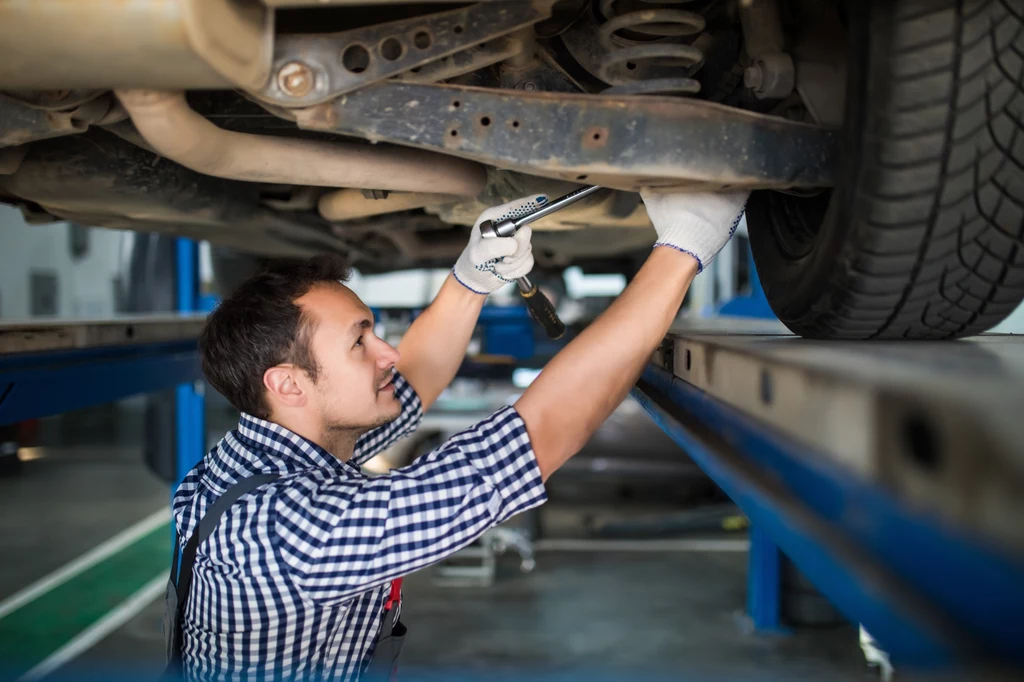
pixel 435 344
pixel 588 379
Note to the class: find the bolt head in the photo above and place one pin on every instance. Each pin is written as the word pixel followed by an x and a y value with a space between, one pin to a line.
pixel 753 77
pixel 296 79
pixel 530 86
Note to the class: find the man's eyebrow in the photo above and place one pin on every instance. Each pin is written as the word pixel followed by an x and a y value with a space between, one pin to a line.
pixel 362 324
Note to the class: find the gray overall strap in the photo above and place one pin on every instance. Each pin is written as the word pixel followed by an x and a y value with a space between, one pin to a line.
pixel 383 665
pixel 181 573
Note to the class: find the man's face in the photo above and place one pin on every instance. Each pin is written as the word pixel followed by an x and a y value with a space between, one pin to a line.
pixel 353 389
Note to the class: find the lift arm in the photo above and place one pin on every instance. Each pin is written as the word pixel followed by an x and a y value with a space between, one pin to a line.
pixel 875 468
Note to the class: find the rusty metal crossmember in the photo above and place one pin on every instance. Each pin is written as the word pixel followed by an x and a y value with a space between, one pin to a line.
pixel 620 142
pixel 310 69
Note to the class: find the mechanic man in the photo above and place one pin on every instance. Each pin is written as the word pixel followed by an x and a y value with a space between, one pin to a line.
pixel 301 576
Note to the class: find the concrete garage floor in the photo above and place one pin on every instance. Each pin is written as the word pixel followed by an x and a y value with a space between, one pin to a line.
pixel 578 615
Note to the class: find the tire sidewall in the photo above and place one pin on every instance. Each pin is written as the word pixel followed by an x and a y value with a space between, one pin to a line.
pixel 795 288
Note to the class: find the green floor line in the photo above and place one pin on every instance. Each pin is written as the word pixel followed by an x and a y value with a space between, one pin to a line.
pixel 40 627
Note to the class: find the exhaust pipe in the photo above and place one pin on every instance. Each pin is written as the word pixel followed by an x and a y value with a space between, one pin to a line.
pixel 350 204
pixel 177 132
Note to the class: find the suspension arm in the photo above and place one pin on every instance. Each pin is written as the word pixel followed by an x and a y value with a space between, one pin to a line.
pixel 620 142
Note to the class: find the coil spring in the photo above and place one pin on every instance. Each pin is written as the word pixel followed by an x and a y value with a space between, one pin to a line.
pixel 623 54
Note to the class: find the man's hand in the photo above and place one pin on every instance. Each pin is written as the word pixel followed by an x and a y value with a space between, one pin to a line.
pixel 435 344
pixel 697 223
pixel 588 379
pixel 487 265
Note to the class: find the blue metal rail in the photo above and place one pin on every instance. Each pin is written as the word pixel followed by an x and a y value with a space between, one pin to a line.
pixel 929 594
pixel 39 384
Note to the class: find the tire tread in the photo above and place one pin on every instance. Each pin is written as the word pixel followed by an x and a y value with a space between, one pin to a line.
pixel 936 247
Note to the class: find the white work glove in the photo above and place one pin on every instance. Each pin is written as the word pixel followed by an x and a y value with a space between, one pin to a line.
pixel 487 265
pixel 697 223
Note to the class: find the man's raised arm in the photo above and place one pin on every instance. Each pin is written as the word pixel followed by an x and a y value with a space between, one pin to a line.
pixel 588 379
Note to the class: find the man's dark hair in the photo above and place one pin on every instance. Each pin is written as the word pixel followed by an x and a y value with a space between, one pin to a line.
pixel 259 326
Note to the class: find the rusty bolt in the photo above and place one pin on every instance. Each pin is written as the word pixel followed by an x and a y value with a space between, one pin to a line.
pixel 296 79
pixel 753 77
pixel 529 86
pixel 772 76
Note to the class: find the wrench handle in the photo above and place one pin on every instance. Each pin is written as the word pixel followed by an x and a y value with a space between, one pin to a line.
pixel 540 308
pixel 553 207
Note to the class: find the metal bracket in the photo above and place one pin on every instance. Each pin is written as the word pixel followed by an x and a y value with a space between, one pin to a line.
pixel 21 123
pixel 665 356
pixel 466 61
pixel 310 69
pixel 613 141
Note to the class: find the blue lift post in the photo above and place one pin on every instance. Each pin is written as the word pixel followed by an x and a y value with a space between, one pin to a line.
pixel 190 403
pixel 764 582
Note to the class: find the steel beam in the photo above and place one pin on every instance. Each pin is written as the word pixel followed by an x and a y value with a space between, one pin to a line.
pixel 621 142
pixel 40 384
pixel 928 591
pixel 53 366
pixel 936 423
pixel 45 336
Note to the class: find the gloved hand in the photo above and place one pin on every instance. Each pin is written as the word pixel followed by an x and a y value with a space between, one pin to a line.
pixel 487 265
pixel 697 223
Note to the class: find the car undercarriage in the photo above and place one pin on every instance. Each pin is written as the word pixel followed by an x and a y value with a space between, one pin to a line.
pixel 528 114
pixel 283 128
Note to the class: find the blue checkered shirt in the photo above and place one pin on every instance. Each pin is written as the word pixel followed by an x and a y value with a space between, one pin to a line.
pixel 292 583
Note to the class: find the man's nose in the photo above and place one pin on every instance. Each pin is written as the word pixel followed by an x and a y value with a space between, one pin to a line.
pixel 387 355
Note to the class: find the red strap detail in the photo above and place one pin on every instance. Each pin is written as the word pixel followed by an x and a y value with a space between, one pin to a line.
pixel 396 594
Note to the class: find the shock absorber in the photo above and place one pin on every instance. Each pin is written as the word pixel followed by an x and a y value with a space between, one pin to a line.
pixel 638 43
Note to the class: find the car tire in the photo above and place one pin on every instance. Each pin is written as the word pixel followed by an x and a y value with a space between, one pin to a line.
pixel 923 235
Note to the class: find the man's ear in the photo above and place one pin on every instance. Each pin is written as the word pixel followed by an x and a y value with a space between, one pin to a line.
pixel 282 387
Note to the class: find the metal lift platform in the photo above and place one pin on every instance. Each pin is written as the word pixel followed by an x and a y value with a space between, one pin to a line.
pixel 49 367
pixel 891 474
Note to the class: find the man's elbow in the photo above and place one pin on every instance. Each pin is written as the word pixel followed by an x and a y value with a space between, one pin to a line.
pixel 553 443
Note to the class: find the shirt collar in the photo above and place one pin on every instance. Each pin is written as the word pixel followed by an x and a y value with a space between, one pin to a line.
pixel 288 445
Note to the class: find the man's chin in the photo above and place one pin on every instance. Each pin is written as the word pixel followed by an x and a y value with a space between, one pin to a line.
pixel 388 414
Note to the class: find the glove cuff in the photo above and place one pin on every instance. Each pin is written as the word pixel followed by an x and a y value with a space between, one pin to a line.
pixel 478 281
pixel 466 284
pixel 700 263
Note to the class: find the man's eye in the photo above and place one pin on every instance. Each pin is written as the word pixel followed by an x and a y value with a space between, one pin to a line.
pixel 359 342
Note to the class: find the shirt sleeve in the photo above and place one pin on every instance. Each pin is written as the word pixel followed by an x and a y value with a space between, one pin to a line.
pixel 351 535
pixel 376 440
pixel 182 502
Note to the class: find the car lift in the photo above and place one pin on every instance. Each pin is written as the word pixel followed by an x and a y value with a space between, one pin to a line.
pixel 49 367
pixel 889 473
